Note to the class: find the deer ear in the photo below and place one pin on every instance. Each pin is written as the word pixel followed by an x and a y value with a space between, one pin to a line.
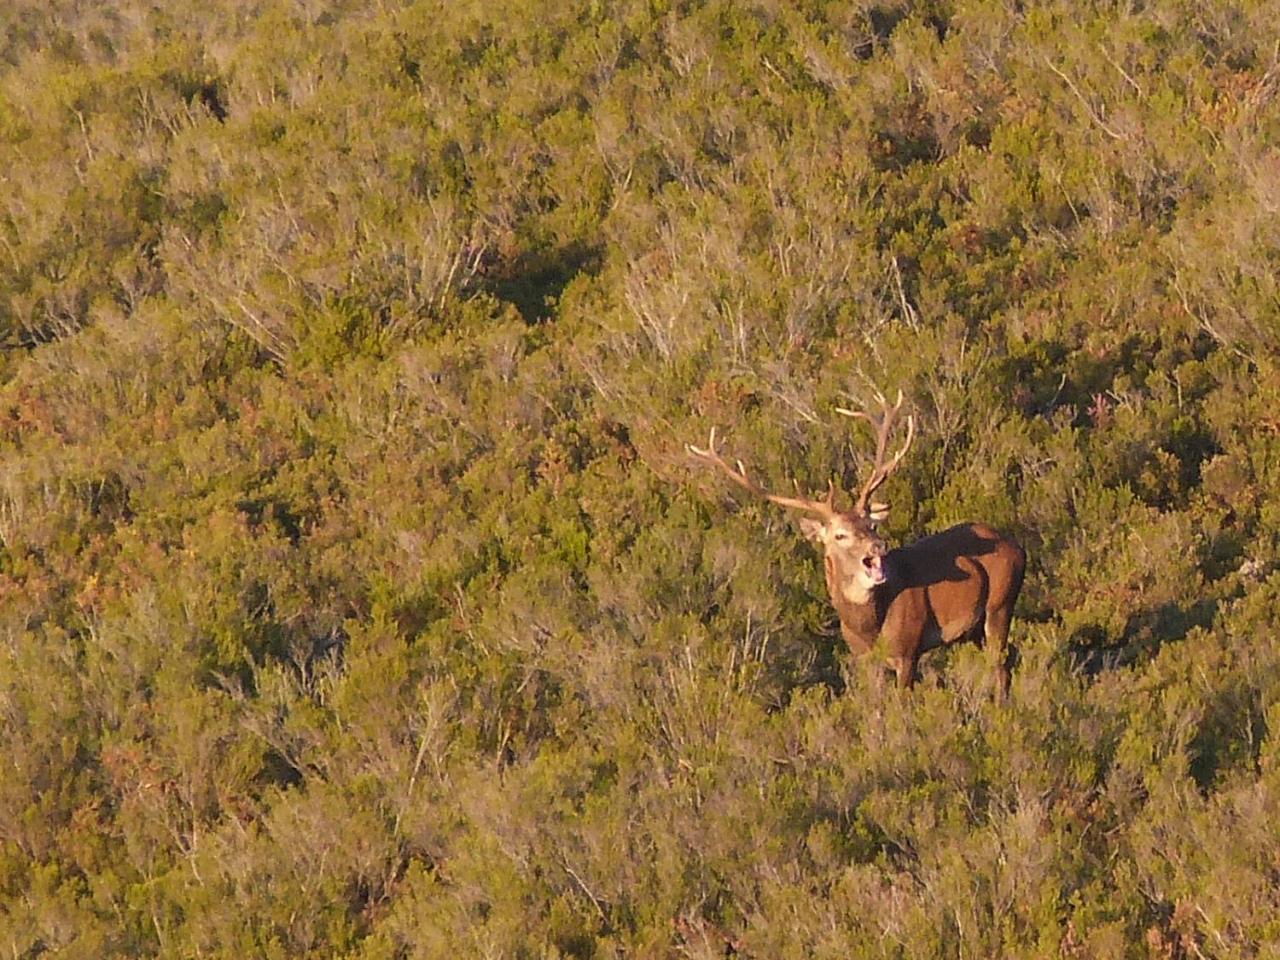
pixel 877 512
pixel 812 529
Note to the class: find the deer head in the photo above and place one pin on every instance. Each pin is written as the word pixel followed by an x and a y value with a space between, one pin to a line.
pixel 854 551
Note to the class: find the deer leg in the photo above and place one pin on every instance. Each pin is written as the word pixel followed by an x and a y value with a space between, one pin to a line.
pixel 905 667
pixel 872 670
pixel 996 630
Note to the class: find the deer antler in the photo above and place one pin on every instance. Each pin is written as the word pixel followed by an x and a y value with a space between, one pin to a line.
pixel 824 508
pixel 883 427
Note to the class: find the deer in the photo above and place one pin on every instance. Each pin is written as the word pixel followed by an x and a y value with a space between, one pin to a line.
pixel 957 585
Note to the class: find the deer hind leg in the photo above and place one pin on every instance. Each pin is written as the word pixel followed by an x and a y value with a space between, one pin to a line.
pixel 996 644
pixel 905 668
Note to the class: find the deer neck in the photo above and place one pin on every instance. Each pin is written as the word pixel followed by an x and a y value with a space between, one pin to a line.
pixel 861 609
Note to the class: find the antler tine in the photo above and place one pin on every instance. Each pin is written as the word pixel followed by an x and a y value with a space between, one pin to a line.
pixel 857 414
pixel 739 476
pixel 883 426
pixel 911 435
pixel 707 453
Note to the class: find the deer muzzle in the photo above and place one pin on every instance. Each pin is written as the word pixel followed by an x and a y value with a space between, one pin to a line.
pixel 873 569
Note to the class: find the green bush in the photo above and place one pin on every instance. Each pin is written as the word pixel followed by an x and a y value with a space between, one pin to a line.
pixel 357 597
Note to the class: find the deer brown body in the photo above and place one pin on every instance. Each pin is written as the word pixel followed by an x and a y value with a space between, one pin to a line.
pixel 960 584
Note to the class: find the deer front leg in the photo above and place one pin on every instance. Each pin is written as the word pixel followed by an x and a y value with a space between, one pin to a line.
pixel 905 668
pixel 865 670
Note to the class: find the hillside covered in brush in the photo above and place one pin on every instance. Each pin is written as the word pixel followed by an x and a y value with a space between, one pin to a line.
pixel 358 597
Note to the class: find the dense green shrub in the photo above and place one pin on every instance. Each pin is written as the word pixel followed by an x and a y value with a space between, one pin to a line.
pixel 356 595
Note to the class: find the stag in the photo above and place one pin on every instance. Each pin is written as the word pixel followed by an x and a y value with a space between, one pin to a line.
pixel 960 584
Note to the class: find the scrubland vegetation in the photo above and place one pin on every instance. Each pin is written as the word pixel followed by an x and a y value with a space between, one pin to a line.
pixel 358 599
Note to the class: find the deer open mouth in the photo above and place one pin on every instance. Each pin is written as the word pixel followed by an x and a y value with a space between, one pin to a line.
pixel 873 570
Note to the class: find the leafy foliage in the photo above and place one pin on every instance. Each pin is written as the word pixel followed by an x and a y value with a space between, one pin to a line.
pixel 356 598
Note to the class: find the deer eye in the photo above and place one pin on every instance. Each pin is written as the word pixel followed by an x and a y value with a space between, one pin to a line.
pixel 842 536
